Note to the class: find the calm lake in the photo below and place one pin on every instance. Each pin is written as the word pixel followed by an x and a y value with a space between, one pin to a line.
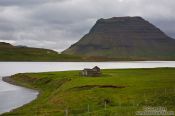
pixel 12 96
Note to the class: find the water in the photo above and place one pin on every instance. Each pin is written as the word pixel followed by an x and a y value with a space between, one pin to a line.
pixel 14 96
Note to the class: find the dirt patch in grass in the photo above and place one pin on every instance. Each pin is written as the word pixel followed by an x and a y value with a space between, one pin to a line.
pixel 86 87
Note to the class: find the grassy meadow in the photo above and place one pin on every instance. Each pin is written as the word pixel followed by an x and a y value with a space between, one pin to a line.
pixel 118 92
pixel 34 54
pixel 9 52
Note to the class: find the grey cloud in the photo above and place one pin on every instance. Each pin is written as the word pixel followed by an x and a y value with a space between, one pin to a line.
pixel 26 2
pixel 56 24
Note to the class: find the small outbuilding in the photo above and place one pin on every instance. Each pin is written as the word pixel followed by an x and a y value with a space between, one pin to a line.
pixel 94 72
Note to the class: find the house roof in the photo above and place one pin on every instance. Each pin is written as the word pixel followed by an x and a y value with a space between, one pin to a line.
pixel 96 68
pixel 91 72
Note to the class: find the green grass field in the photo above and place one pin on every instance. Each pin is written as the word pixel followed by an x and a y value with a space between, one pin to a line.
pixel 118 92
pixel 17 53
pixel 9 52
pixel 34 54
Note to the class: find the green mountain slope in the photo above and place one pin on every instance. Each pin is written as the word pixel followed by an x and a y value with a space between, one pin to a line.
pixel 9 52
pixel 125 38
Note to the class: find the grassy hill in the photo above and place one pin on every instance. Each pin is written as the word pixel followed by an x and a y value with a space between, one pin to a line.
pixel 119 92
pixel 9 52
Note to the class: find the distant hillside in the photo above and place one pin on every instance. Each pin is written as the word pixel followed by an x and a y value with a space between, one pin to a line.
pixel 125 38
pixel 9 52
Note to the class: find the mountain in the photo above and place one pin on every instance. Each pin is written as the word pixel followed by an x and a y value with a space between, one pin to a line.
pixel 125 38
pixel 9 52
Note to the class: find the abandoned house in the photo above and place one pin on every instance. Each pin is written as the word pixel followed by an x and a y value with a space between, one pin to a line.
pixel 95 72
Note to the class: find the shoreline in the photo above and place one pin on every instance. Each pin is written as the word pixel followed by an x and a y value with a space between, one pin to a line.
pixel 84 60
pixel 9 80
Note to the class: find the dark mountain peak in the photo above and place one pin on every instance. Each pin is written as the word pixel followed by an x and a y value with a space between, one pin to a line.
pixel 117 19
pixel 120 20
pixel 125 37
pixel 116 24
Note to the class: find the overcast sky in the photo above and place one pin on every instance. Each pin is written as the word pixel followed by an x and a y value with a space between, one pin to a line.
pixel 56 24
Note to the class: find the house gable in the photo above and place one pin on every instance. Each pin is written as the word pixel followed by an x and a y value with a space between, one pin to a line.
pixel 91 72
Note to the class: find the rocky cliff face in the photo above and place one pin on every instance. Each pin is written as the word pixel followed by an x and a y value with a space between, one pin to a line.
pixel 125 38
